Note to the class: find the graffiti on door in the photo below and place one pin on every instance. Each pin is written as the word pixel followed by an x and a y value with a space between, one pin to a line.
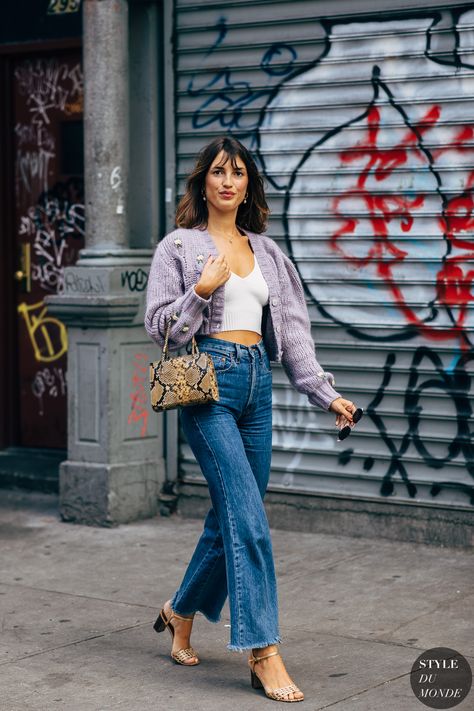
pixel 55 228
pixel 50 224
pixel 48 336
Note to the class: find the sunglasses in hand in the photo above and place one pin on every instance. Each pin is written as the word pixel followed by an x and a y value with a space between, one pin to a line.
pixel 345 431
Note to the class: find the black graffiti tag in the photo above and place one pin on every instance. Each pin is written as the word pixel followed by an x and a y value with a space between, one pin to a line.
pixel 455 385
pixel 134 279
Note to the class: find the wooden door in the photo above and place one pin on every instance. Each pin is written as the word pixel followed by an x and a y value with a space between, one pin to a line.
pixel 49 231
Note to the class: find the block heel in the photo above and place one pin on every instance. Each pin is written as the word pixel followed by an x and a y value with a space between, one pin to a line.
pixel 160 624
pixel 182 656
pixel 280 694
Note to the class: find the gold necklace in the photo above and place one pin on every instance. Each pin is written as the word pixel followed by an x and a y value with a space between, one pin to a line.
pixel 230 239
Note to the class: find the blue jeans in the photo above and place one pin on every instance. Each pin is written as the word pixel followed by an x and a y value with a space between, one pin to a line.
pixel 231 440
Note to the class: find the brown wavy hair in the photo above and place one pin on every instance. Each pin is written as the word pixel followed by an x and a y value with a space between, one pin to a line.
pixel 192 209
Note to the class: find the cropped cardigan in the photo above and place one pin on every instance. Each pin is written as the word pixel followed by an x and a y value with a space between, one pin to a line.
pixel 176 267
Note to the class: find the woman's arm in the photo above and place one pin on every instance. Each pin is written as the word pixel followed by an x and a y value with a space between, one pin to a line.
pixel 166 298
pixel 299 357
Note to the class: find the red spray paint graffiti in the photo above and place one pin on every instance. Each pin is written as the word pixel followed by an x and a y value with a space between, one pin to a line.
pixel 454 280
pixel 139 395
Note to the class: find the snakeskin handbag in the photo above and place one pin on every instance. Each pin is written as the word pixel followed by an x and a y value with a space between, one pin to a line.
pixel 185 380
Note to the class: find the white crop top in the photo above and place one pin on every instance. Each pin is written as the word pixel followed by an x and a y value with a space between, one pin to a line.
pixel 244 299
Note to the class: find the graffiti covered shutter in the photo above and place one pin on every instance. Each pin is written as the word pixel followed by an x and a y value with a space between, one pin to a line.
pixel 363 129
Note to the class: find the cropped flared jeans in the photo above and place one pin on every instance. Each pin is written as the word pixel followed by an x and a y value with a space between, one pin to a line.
pixel 231 440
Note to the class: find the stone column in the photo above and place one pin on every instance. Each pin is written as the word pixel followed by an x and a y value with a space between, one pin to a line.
pixel 114 467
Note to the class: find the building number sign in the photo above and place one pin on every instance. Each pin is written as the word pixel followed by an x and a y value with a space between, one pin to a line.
pixel 61 7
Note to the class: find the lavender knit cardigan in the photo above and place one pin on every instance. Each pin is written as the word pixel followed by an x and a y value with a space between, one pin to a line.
pixel 176 267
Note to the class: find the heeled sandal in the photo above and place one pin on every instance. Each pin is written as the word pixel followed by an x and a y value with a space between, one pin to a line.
pixel 276 694
pixel 182 655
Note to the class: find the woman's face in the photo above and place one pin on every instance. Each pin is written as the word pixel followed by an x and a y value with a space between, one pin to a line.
pixel 226 185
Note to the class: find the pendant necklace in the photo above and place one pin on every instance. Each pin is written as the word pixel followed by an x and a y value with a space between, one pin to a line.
pixel 231 239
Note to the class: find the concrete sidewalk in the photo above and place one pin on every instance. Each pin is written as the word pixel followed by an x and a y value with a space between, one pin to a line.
pixel 78 605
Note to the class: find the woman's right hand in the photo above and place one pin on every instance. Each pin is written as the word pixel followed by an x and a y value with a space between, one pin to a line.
pixel 215 272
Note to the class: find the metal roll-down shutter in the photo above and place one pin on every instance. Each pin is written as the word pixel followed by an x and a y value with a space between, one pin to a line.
pixel 362 125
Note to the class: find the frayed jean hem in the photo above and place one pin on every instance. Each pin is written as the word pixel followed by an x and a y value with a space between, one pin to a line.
pixel 209 618
pixel 192 612
pixel 254 645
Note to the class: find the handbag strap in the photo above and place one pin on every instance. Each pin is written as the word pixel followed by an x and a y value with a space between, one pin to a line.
pixel 165 356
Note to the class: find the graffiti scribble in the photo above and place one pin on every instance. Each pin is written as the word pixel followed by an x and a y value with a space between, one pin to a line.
pixel 139 396
pixel 455 386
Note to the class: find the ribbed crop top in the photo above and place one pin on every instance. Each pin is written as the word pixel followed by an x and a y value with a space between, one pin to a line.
pixel 244 299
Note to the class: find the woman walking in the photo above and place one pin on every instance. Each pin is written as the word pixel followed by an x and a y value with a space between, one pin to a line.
pixel 218 277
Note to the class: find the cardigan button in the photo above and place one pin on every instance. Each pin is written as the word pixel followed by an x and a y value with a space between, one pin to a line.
pixel 278 328
pixel 274 302
pixel 175 317
pixel 185 328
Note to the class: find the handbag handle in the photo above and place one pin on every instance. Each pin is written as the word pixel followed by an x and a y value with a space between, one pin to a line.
pixel 165 356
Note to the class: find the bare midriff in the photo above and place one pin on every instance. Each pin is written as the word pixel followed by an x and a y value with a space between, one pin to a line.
pixel 246 338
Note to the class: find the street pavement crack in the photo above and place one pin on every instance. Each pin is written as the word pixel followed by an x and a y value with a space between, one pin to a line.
pixel 86 597
pixel 75 642
pixel 437 607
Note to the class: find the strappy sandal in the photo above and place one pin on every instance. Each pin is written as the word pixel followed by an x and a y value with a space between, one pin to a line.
pixel 276 694
pixel 182 655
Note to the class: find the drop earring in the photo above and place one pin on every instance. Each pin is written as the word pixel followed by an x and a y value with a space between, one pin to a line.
pixel 203 196
pixel 245 199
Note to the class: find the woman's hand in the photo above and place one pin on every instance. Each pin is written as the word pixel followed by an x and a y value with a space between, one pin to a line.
pixel 343 409
pixel 215 272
